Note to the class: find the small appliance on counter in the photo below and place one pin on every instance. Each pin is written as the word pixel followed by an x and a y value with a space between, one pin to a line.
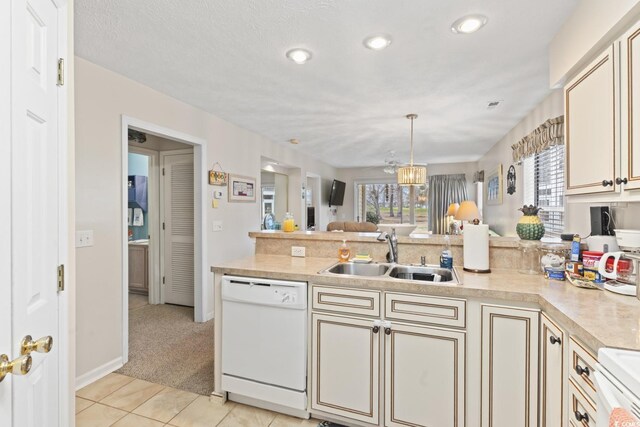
pixel 622 267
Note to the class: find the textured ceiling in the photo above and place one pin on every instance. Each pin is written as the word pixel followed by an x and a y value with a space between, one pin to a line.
pixel 347 105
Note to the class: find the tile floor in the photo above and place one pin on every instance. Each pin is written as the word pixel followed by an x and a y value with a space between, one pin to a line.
pixel 120 401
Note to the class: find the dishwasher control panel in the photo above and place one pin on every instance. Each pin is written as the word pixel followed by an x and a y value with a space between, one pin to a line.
pixel 265 291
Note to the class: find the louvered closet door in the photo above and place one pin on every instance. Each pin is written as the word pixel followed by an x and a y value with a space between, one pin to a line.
pixel 178 233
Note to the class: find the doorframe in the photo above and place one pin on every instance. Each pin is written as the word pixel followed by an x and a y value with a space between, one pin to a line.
pixel 154 221
pixel 200 196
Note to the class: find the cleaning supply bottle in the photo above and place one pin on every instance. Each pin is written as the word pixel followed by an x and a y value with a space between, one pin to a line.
pixel 288 224
pixel 446 257
pixel 343 252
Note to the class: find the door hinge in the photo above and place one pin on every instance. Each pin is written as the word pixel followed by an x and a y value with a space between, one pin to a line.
pixel 163 225
pixel 61 278
pixel 60 72
pixel 162 171
pixel 163 280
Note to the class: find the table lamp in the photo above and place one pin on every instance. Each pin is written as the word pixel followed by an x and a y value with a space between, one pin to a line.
pixel 475 250
pixel 451 213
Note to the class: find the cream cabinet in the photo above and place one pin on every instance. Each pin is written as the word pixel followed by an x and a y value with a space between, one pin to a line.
pixel 629 45
pixel 345 366
pixel 509 366
pixel 590 128
pixel 552 373
pixel 139 269
pixel 424 376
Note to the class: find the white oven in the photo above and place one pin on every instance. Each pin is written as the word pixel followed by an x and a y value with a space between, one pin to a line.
pixel 617 377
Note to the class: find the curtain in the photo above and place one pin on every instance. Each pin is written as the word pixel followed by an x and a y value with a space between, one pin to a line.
pixel 444 190
pixel 548 134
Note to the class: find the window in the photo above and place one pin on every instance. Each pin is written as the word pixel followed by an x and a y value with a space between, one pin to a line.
pixel 390 203
pixel 544 187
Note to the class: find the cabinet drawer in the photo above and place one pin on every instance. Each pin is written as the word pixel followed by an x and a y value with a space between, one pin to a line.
pixel 582 411
pixel 581 367
pixel 425 309
pixel 351 301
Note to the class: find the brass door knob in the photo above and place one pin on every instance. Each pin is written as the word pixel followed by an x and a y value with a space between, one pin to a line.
pixel 19 366
pixel 42 345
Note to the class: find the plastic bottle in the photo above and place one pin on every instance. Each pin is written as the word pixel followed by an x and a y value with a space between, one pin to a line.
pixel 288 224
pixel 343 252
pixel 446 258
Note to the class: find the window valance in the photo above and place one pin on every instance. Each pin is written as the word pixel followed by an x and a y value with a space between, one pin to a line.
pixel 548 134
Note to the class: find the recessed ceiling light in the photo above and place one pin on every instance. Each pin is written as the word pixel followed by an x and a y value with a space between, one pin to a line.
pixel 468 24
pixel 377 41
pixel 294 141
pixel 299 56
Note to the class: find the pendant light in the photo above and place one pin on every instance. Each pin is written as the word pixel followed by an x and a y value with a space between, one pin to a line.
pixel 412 175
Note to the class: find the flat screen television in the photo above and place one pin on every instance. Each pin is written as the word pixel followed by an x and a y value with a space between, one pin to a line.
pixel 336 197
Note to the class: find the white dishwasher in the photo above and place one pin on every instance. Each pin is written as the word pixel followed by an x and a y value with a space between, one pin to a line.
pixel 264 343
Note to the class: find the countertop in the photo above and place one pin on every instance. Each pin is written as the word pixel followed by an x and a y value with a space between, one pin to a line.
pixel 598 318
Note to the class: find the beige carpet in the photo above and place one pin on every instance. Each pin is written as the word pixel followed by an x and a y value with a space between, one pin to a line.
pixel 167 347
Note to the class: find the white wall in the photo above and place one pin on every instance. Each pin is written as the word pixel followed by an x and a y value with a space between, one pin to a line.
pixel 593 25
pixel 101 98
pixel 351 175
pixel 503 218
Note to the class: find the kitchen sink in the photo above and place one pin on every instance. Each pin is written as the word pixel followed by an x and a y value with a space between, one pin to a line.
pixel 426 273
pixel 354 269
pixel 420 273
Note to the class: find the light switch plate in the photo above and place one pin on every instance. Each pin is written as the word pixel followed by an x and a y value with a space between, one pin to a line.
pixel 84 238
pixel 298 251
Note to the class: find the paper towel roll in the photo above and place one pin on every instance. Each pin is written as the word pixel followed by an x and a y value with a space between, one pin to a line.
pixel 476 248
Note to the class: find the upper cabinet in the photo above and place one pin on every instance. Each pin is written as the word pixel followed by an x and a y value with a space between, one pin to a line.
pixel 602 119
pixel 590 132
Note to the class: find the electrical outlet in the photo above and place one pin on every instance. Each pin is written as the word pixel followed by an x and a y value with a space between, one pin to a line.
pixel 84 238
pixel 298 251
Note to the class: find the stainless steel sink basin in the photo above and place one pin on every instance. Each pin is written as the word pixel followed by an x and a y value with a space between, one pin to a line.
pixel 428 273
pixel 355 269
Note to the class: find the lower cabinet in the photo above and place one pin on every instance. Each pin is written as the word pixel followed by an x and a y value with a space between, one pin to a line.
pixel 424 377
pixel 552 373
pixel 139 269
pixel 509 366
pixel 345 367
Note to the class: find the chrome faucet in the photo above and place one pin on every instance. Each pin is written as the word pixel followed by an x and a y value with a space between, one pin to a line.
pixel 392 240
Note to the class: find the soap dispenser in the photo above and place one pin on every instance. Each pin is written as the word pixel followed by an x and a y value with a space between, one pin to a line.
pixel 344 253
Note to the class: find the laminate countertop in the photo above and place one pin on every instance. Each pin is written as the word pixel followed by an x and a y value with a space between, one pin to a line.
pixel 598 318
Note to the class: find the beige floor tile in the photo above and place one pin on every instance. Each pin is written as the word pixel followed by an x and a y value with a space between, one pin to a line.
pixel 248 416
pixel 202 412
pixel 103 387
pixel 98 415
pixel 82 404
pixel 133 420
pixel 132 395
pixel 166 404
pixel 287 421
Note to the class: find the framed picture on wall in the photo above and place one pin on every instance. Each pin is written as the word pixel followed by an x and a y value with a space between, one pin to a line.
pixel 493 186
pixel 242 188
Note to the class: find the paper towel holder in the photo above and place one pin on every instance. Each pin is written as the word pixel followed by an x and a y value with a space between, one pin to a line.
pixel 468 211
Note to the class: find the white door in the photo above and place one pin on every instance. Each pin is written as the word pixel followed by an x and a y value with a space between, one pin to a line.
pixel 424 377
pixel 33 220
pixel 178 216
pixel 345 362
pixel 509 367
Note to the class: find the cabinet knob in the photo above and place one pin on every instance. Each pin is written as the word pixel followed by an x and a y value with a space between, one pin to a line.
pixel 621 181
pixel 606 183
pixel 582 371
pixel 581 417
pixel 375 329
pixel 387 331
pixel 555 340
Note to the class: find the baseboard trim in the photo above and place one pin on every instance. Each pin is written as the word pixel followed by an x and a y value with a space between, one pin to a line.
pixel 209 316
pixel 97 373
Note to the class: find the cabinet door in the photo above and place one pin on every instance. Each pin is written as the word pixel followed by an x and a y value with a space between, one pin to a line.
pixel 424 377
pixel 138 269
pixel 590 130
pixel 552 347
pixel 345 367
pixel 630 114
pixel 509 367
